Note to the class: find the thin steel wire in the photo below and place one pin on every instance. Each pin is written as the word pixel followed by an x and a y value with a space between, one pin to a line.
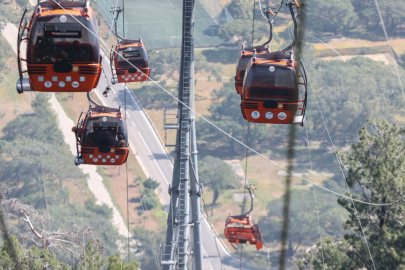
pixel 43 182
pixel 343 174
pixel 316 202
pixel 126 173
pixel 206 214
pixel 241 143
pixel 391 50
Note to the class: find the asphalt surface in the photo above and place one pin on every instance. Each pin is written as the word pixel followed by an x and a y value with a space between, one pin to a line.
pixel 154 160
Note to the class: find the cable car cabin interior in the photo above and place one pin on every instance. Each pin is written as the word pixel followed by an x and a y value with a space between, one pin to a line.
pixel 63 53
pixel 102 137
pixel 271 90
pixel 130 53
pixel 244 57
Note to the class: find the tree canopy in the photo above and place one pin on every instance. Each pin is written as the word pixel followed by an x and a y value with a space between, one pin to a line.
pixel 217 175
pixel 375 172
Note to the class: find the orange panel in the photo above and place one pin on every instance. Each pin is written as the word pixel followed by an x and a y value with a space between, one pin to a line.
pixel 112 158
pixel 44 79
pixel 133 77
pixel 253 111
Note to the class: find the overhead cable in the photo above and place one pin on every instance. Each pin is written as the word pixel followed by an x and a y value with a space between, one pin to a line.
pixel 236 140
pixel 389 45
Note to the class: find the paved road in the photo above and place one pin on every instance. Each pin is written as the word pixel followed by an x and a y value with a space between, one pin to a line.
pixel 155 162
pixel 94 180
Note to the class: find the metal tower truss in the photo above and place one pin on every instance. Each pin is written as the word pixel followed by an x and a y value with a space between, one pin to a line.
pixel 185 188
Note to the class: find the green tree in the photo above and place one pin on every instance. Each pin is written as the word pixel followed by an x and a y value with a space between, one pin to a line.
pixel 375 170
pixel 116 263
pixel 401 61
pixel 150 184
pixel 240 31
pixel 328 251
pixel 376 166
pixel 349 93
pixel 93 258
pixel 328 16
pixel 217 175
pixel 393 13
pixel 226 114
pixel 150 241
pixel 31 258
pixel 240 9
pixel 302 224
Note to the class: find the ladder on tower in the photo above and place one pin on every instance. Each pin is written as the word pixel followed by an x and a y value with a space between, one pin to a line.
pixel 170 122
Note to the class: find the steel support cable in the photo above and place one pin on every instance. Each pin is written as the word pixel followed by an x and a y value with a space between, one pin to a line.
pixel 126 173
pixel 84 245
pixel 125 106
pixel 206 214
pixel 328 46
pixel 287 197
pixel 43 181
pixel 155 255
pixel 316 202
pixel 338 160
pixel 238 141
pixel 389 45
pixel 247 139
pixel 108 41
pixel 343 174
pixel 244 189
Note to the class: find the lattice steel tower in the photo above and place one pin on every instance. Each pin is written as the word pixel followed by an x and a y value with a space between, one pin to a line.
pixel 185 188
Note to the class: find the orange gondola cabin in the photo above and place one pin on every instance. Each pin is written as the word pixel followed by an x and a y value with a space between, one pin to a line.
pixel 129 62
pixel 101 137
pixel 240 229
pixel 244 57
pixel 271 89
pixel 63 53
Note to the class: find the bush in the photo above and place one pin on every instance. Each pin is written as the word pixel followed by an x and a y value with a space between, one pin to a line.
pixel 150 184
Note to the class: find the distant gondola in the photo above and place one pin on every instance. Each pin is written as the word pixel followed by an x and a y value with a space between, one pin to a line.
pixel 240 229
pixel 129 61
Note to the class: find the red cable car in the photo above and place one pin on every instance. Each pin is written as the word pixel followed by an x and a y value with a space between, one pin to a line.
pixel 247 53
pixel 271 90
pixel 129 61
pixel 63 53
pixel 241 229
pixel 273 85
pixel 244 57
pixel 101 137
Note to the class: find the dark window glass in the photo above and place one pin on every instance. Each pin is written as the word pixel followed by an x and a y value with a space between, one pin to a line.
pixel 243 63
pixel 111 132
pixel 52 41
pixel 134 55
pixel 280 84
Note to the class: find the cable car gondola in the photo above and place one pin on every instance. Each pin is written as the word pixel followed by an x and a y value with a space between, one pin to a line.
pixel 240 229
pixel 101 137
pixel 271 87
pixel 246 54
pixel 127 54
pixel 63 53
